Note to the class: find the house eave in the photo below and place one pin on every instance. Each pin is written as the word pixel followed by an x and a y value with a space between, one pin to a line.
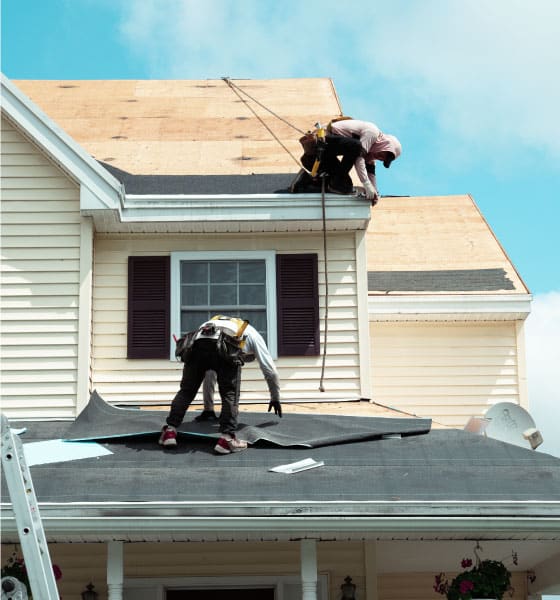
pixel 275 521
pixel 449 307
pixel 102 189
pixel 225 213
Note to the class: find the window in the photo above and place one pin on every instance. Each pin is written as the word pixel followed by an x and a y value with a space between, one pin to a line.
pixel 236 284
pixel 277 293
pixel 226 287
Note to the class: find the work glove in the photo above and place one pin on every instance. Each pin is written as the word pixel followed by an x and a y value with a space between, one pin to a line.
pixel 371 192
pixel 277 407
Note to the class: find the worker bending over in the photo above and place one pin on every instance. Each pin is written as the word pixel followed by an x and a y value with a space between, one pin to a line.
pixel 215 346
pixel 359 144
pixel 254 348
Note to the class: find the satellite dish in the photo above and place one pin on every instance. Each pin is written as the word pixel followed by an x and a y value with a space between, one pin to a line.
pixel 510 423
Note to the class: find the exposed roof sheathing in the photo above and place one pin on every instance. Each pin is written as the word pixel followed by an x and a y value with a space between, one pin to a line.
pixel 431 234
pixel 183 127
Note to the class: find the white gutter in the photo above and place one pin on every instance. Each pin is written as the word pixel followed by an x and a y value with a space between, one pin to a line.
pixel 461 307
pixel 119 525
pixel 244 208
pixel 233 213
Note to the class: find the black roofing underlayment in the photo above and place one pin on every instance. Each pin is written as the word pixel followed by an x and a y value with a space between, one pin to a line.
pixel 442 465
pixel 201 185
pixel 102 421
pixel 453 280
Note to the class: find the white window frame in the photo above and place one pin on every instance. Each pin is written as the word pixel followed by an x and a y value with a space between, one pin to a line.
pixel 269 258
pixel 155 588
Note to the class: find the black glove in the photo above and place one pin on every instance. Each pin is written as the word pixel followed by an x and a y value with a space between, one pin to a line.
pixel 277 407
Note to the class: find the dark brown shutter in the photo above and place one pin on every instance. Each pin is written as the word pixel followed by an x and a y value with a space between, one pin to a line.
pixel 297 290
pixel 148 306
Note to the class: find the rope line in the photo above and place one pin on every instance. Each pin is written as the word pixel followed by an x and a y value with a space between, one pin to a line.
pixel 237 88
pixel 236 91
pixel 326 320
pixel 404 412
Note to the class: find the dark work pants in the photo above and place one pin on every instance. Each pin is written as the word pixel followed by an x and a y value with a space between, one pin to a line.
pixel 338 170
pixel 205 357
pixel 340 145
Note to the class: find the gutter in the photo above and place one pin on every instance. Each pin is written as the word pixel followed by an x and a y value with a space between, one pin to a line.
pixel 87 525
pixel 332 515
pixel 458 307
pixel 229 212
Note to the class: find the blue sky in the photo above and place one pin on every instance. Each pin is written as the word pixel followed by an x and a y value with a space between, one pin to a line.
pixel 470 87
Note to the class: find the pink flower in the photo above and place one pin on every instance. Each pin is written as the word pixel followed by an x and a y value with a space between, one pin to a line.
pixel 466 586
pixel 466 562
pixel 57 572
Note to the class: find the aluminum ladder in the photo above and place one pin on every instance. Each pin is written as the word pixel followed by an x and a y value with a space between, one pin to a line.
pixel 28 520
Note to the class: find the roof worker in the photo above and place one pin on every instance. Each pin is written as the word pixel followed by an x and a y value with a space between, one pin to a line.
pixel 215 346
pixel 374 145
pixel 254 348
pixel 359 144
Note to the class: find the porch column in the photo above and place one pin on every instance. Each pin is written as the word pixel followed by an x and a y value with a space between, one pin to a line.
pixel 370 570
pixel 308 556
pixel 115 570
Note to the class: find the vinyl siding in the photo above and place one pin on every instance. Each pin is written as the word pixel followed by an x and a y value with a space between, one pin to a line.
pixel 446 371
pixel 40 233
pixel 156 381
pixel 82 563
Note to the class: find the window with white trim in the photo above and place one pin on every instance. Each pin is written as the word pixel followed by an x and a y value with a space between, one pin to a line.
pixel 171 294
pixel 240 284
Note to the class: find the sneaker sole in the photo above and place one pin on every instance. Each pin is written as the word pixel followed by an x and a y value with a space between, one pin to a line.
pixel 238 449
pixel 221 450
pixel 168 443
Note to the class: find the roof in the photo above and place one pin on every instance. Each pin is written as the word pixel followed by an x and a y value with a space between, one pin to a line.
pixel 445 480
pixel 188 127
pixel 436 244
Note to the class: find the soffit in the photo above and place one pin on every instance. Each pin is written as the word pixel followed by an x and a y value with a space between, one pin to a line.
pixel 183 127
pixel 436 234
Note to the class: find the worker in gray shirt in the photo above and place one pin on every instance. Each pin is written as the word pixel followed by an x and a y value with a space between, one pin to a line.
pixel 254 348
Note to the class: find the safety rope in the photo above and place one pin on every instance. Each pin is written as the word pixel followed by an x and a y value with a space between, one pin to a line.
pixel 236 88
pixel 237 91
pixel 326 325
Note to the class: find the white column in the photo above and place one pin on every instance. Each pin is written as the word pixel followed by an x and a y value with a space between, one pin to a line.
pixel 115 570
pixel 370 569
pixel 308 556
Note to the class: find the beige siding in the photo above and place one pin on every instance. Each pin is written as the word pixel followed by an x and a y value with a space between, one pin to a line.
pixel 39 282
pixel 82 563
pixel 143 381
pixel 446 371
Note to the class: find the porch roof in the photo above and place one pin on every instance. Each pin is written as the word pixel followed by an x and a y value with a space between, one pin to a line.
pixel 442 485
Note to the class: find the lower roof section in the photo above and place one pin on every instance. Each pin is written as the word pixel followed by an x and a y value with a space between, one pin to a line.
pixel 444 483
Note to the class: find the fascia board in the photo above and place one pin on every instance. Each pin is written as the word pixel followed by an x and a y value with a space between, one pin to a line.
pixel 105 189
pixel 452 306
pixel 243 207
pixel 124 519
pixel 221 211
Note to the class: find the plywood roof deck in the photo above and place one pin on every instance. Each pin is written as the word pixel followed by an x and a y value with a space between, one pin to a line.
pixel 187 127
pixel 431 233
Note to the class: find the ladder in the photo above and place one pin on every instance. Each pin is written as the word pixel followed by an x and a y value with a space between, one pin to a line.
pixel 26 511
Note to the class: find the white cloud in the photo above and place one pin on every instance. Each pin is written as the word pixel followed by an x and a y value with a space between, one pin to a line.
pixel 484 72
pixel 543 368
pixel 485 68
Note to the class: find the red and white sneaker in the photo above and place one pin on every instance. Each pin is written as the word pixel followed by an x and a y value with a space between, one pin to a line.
pixel 229 443
pixel 168 436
